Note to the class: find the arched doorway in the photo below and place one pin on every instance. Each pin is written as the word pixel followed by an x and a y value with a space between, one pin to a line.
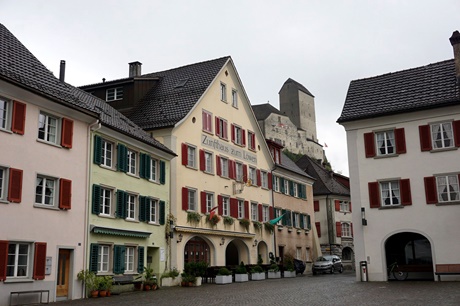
pixel 262 251
pixel 236 252
pixel 413 254
pixel 196 250
pixel 348 258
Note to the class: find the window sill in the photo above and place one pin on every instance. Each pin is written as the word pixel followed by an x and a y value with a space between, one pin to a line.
pixel 448 203
pixel 6 131
pixel 107 168
pixel 49 143
pixel 133 175
pixel 4 201
pixel 443 149
pixel 391 207
pixel 106 216
pixel 191 168
pixel 45 206
pixel 154 223
pixel 210 173
pixel 208 132
pixel 132 220
pixel 386 156
pixel 15 281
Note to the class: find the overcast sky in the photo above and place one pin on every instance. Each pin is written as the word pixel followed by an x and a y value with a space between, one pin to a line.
pixel 320 44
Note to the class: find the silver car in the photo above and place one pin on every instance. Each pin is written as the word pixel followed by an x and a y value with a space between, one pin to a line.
pixel 327 263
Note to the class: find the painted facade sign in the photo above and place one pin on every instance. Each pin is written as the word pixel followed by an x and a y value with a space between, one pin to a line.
pixel 223 147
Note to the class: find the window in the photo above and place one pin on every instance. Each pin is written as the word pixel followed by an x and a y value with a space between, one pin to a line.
pixel 296 220
pixel 221 128
pixel 238 136
pixel 385 142
pixel 276 155
pixel 189 199
pixel 294 190
pixel 346 230
pixel 306 221
pixel 206 161
pixel 154 211
pixel 19 259
pixel 234 98
pixel 251 141
pixel 207 121
pixel 106 201
pixel 12 116
pixel 241 209
pixel 188 156
pixel 265 213
pixel 223 167
pixel 344 206
pixel 223 92
pixel 2 183
pixel 390 193
pixel 276 183
pixel 103 258
pixel 5 106
pixel 132 157
pixel 448 188
pixel 286 186
pixel 209 202
pixel 298 253
pixel 45 190
pixel 225 206
pixel 264 178
pixel 107 153
pixel 113 94
pixel 254 212
pixel 252 174
pixel 239 171
pixel 48 128
pixel 278 213
pixel 153 169
pixel 129 259
pixel 442 135
pixel 131 207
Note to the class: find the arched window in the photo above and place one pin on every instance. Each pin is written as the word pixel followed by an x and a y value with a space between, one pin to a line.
pixel 196 250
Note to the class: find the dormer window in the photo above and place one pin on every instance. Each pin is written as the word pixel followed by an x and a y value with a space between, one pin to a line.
pixel 113 94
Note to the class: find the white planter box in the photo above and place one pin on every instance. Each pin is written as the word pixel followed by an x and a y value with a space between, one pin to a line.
pixel 198 281
pixel 274 274
pixel 223 279
pixel 289 274
pixel 239 278
pixel 258 276
pixel 170 282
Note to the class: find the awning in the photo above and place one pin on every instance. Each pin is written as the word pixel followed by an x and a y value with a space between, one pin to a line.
pixel 118 232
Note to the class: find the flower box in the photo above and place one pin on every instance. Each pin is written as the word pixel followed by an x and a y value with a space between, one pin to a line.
pixel 272 274
pixel 223 279
pixel 258 276
pixel 170 282
pixel 288 274
pixel 239 278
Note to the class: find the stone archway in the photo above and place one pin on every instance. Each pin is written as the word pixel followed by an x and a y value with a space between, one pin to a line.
pixel 262 250
pixel 412 252
pixel 196 250
pixel 236 252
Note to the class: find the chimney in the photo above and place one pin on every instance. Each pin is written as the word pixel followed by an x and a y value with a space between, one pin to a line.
pixel 135 69
pixel 62 71
pixel 455 42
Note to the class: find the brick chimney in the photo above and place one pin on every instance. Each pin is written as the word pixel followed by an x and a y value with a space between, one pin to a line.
pixel 455 42
pixel 135 69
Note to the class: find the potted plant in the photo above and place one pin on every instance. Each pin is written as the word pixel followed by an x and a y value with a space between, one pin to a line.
pixel 224 276
pixel 245 223
pixel 213 220
pixel 241 273
pixel 89 281
pixel 257 225
pixel 187 280
pixel 170 278
pixel 103 282
pixel 274 271
pixel 228 220
pixel 257 273
pixel 149 278
pixel 193 217
pixel 269 227
pixel 197 269
pixel 289 269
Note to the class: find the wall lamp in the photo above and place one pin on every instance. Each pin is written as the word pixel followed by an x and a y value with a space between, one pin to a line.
pixel 222 241
pixel 255 243
pixel 179 238
pixel 363 216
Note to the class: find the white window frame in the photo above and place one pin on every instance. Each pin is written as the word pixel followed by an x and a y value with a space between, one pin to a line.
pixel 3 183
pixel 191 199
pixel 131 205
pixel 240 209
pixel 278 212
pixel 113 94
pixel 393 192
pixel 106 201
pixel 130 253
pixel 346 229
pixel 49 128
pixel 239 172
pixel 154 211
pixel 254 211
pixel 294 186
pixel 132 161
pixel 222 128
pixel 191 156
pixel 276 179
pixel 224 166
pixel 209 201
pixel 264 179
pixel 305 221
pixel 296 219
pixel 154 169
pixel 389 142
pixel 55 191
pixel 445 181
pixel 445 128
pixel 17 267
pixel 345 206
pixel 5 113
pixel 208 162
pixel 234 98
pixel 252 174
pixel 238 134
pixel 225 206
pixel 251 146
pixel 107 153
pixel 207 121
pixel 103 258
pixel 223 92
pixel 265 213
pixel 286 186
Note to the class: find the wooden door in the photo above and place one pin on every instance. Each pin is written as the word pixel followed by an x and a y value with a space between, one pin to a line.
pixel 62 288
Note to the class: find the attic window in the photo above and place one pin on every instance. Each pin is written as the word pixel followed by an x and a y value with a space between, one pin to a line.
pixel 113 94
pixel 181 83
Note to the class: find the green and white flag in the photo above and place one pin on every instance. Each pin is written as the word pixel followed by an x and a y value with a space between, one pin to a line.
pixel 274 221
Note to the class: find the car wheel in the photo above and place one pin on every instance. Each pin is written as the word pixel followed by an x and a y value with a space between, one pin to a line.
pixel 341 269
pixel 332 270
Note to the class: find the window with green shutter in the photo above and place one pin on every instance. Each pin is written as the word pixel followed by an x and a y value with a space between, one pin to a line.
pixel 97 152
pixel 96 201
pixel 122 158
pixel 142 209
pixel 121 204
pixel 93 256
pixel 291 188
pixel 162 172
pixel 302 225
pixel 282 185
pixel 140 259
pixel 308 222
pixel 119 259
pixel 162 212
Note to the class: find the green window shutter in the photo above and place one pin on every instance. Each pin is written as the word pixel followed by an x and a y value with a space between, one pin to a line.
pixel 291 188
pixel 284 219
pixel 119 259
pixel 140 259
pixel 93 256
pixel 304 191
pixel 96 202
pixel 97 153
pixel 147 164
pixel 301 221
pixel 142 210
pixel 282 185
pixel 162 172
pixel 299 190
pixel 122 158
pixel 142 165
pixel 121 204
pixel 308 222
pixel 162 212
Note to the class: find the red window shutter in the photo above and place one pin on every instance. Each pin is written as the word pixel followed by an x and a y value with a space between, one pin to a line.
pixel 246 209
pixel 338 229
pixel 351 229
pixel 234 208
pixel 400 139
pixel 184 198
pixel 271 212
pixel 318 228
pixel 231 169
pixel 220 203
pixel 39 260
pixel 67 133
pixel 204 117
pixel 3 259
pixel 425 137
pixel 316 205
pixel 245 173
pixel 337 205
pixel 431 192
pixel 374 195
pixel 65 194
pixel 253 136
pixel 243 135
pixel 233 132
pixel 270 182
pixel 217 126
pixel 218 167
pixel 15 186
pixel 456 129
pixel 18 118
pixel 369 144
pixel 203 202
pixel 406 197
pixel 225 132
pixel 350 205
pixel 184 155
pixel 258 178
pixel 202 161
pixel 259 207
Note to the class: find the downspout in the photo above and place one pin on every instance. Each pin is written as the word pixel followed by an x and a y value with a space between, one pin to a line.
pixel 273 207
pixel 96 125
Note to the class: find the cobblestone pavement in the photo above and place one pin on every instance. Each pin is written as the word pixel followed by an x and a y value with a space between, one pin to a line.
pixel 326 289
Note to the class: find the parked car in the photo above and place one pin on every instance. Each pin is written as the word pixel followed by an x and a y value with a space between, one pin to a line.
pixel 327 263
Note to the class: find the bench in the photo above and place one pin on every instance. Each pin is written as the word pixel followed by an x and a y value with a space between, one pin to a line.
pixel 125 280
pixel 447 269
pixel 18 293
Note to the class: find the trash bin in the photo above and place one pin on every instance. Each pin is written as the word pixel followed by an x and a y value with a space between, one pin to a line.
pixel 363 269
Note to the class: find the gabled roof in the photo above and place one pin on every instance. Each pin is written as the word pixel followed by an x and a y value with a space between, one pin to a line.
pixel 177 91
pixel 299 86
pixel 288 164
pixel 262 111
pixel 325 183
pixel 20 67
pixel 415 89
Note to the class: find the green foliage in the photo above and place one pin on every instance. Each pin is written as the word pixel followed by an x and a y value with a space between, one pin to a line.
pixel 257 225
pixel 257 269
pixel 197 269
pixel 245 222
pixel 269 227
pixel 188 278
pixel 104 282
pixel 228 220
pixel 89 279
pixel 241 269
pixel 172 273
pixel 274 268
pixel 294 157
pixel 288 262
pixel 214 220
pixel 260 260
pixel 224 271
pixel 193 217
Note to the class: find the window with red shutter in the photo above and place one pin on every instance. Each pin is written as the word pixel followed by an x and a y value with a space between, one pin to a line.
pixel 15 186
pixel 231 169
pixel 184 198
pixel 245 173
pixel 318 228
pixel 67 133
pixel 243 135
pixel 218 128
pixel 232 127
pixel 400 139
pixel 258 177
pixel 220 204
pixel 338 229
pixel 271 212
pixel 351 229
pixel 3 259
pixel 350 206
pixel 184 155
pixel 218 166
pixel 456 129
pixel 406 197
pixel 270 182
pixel 65 194
pixel 203 202
pixel 246 209
pixel 425 137
pixel 234 207
pixel 374 195
pixel 316 205
pixel 369 144
pixel 259 208
pixel 337 205
pixel 225 129
pixel 431 193
pixel 39 260
pixel 18 118
pixel 202 161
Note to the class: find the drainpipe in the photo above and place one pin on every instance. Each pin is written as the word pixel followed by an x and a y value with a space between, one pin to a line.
pixel 273 207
